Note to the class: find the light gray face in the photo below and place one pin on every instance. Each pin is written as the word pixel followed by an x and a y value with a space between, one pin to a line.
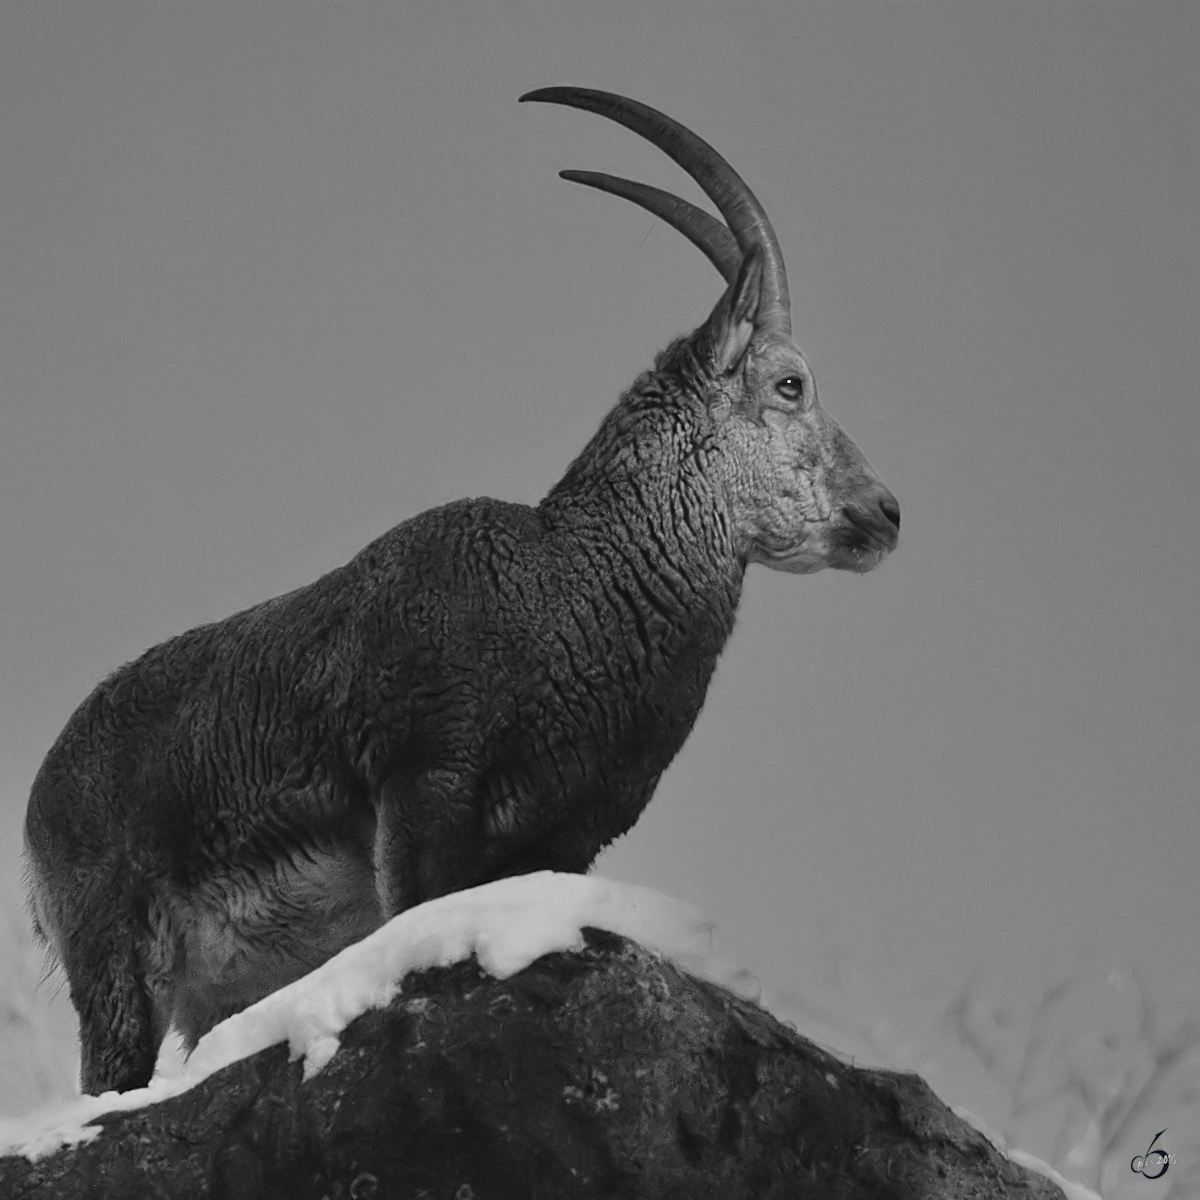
pixel 801 495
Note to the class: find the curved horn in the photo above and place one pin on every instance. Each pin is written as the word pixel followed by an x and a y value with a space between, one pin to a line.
pixel 721 183
pixel 703 231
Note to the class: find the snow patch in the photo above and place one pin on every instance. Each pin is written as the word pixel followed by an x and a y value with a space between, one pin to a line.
pixel 506 925
pixel 1070 1189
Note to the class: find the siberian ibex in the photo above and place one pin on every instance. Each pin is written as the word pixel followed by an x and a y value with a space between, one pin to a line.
pixel 486 689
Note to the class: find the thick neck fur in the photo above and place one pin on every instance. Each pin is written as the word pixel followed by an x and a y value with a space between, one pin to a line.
pixel 648 483
pixel 652 469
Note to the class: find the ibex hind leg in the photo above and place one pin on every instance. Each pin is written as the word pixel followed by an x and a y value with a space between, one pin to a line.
pixel 119 997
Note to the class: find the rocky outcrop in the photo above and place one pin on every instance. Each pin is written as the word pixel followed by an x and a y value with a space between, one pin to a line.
pixel 603 1072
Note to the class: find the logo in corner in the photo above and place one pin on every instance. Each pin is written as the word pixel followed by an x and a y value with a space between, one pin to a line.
pixel 1154 1163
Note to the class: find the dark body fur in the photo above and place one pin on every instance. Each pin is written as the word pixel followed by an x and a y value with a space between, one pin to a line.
pixel 484 690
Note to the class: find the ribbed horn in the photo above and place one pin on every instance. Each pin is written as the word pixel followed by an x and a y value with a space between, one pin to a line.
pixel 702 230
pixel 721 183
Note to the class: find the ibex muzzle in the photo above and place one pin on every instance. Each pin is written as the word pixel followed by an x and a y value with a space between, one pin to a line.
pixel 484 690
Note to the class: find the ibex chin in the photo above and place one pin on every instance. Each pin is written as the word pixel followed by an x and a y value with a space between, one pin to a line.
pixel 487 689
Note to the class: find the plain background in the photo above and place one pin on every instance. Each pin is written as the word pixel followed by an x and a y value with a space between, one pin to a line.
pixel 276 276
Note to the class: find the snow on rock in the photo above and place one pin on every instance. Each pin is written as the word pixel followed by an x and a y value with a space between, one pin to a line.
pixel 506 925
pixel 1070 1189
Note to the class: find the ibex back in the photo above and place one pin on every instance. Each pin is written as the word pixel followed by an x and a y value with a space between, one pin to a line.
pixel 486 689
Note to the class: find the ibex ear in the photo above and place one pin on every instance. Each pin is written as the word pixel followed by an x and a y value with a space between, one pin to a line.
pixel 724 338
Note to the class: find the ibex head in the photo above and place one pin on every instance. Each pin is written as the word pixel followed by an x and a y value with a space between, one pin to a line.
pixel 800 494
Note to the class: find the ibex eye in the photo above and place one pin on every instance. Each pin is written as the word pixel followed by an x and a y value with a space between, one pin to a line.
pixel 791 387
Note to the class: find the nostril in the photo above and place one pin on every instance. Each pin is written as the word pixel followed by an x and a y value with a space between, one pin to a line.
pixel 890 509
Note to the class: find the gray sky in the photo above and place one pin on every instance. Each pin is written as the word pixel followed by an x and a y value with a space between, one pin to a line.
pixel 277 276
